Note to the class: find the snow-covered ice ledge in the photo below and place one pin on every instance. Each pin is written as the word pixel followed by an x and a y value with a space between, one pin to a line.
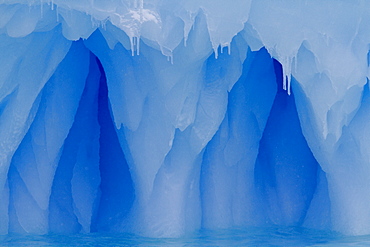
pixel 164 117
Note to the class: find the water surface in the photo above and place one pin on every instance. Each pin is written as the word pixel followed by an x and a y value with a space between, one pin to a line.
pixel 274 236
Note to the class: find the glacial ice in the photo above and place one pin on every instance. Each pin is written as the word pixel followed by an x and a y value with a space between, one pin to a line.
pixel 164 117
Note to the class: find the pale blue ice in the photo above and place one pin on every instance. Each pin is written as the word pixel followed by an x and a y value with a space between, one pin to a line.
pixel 164 118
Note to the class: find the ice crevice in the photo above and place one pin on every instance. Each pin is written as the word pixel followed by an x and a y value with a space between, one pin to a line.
pixel 161 118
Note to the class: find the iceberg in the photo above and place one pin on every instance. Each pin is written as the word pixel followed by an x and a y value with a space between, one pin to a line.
pixel 161 118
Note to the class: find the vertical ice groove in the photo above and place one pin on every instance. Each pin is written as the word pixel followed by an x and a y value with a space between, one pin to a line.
pixel 348 182
pixel 286 169
pixel 166 212
pixel 228 196
pixel 117 192
pixel 28 76
pixel 86 176
pixel 38 155
pixel 75 189
pixel 328 137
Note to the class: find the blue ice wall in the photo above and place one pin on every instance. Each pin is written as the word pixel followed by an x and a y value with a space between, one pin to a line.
pixel 161 118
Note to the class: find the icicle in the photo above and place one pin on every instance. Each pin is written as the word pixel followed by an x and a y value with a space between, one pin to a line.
pixel 287 71
pixel 170 58
pixel 227 45
pixel 138 45
pixel 186 36
pixel 215 50
pixel 288 78
pixel 103 25
pixel 221 48
pixel 57 11
pixel 132 46
pixel 135 43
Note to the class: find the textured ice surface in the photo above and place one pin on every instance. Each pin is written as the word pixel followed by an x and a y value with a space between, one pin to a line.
pixel 164 117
